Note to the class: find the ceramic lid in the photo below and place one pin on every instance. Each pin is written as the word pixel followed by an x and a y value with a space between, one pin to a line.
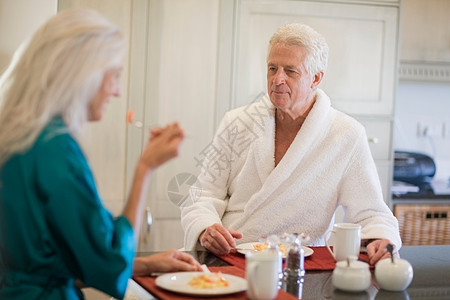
pixel 352 263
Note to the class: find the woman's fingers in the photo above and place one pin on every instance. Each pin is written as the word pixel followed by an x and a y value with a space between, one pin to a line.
pixel 163 145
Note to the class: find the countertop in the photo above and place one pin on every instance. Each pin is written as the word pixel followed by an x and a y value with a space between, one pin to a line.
pixel 431 281
pixel 435 192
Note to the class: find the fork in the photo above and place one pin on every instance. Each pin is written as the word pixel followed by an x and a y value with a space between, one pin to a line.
pixel 205 269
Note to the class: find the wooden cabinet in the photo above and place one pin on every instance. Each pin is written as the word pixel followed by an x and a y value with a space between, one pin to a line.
pixel 379 135
pixel 424 40
pixel 425 31
pixel 360 79
pixel 173 78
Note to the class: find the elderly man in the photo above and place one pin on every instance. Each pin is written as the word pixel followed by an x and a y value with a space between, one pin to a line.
pixel 291 160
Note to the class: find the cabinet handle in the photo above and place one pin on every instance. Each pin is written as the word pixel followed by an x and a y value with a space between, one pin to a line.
pixel 374 140
pixel 149 222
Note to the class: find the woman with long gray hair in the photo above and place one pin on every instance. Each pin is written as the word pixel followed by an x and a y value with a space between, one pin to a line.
pixel 54 230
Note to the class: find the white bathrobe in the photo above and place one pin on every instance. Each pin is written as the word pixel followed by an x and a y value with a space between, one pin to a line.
pixel 328 164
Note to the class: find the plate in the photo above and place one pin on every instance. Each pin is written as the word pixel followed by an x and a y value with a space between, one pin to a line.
pixel 249 247
pixel 178 282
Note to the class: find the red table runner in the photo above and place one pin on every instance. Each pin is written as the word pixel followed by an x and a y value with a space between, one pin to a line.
pixel 148 283
pixel 320 260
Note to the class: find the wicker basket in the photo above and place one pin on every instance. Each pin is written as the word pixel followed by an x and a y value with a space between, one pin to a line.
pixel 424 224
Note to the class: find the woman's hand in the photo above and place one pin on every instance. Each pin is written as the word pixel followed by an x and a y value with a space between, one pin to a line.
pixel 169 261
pixel 162 146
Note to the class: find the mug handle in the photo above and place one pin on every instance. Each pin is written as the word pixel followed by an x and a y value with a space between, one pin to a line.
pixel 252 271
pixel 329 232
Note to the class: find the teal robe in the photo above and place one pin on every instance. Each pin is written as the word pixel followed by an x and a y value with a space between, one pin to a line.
pixel 54 228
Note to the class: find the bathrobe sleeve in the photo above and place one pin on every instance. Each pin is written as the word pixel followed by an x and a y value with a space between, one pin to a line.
pixel 208 201
pixel 97 248
pixel 362 198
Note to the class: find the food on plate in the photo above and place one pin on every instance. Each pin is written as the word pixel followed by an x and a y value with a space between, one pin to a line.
pixel 208 281
pixel 263 246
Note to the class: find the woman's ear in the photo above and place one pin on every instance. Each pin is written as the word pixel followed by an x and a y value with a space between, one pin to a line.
pixel 317 79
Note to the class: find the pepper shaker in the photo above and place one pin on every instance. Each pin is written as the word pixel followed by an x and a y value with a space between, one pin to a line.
pixel 294 271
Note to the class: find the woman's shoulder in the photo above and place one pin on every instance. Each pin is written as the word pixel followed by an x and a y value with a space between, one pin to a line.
pixel 55 139
pixel 55 132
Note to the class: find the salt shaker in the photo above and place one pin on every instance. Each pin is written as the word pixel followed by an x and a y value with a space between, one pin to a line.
pixel 294 271
pixel 273 248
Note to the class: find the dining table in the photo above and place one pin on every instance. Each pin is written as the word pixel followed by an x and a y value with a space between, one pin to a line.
pixel 431 279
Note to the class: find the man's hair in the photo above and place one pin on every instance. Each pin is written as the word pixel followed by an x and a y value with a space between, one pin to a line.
pixel 300 35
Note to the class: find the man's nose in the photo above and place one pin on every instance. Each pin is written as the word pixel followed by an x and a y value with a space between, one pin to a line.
pixel 280 77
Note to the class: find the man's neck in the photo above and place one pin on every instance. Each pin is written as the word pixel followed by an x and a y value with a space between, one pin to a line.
pixel 288 121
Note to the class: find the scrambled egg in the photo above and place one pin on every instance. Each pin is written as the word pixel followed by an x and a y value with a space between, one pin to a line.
pixel 262 247
pixel 208 281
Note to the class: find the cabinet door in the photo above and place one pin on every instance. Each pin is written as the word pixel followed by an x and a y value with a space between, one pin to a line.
pixel 104 142
pixel 362 41
pixel 173 78
pixel 379 137
pixel 384 169
pixel 425 31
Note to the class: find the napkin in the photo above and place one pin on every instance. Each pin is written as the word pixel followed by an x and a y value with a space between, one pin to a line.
pixel 320 260
pixel 148 283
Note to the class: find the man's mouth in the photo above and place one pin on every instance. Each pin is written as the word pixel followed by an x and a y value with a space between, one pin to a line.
pixel 279 92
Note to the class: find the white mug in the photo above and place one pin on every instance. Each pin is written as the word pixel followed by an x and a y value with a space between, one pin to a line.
pixel 261 272
pixel 347 240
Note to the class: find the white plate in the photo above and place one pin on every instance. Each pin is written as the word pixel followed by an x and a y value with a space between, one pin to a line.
pixel 308 251
pixel 178 282
pixel 249 247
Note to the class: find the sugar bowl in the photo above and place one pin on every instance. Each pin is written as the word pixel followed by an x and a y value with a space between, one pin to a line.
pixel 351 275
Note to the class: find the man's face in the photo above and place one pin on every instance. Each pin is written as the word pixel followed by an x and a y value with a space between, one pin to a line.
pixel 289 86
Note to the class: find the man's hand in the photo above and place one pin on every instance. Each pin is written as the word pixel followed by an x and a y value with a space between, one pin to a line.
pixel 376 250
pixel 218 239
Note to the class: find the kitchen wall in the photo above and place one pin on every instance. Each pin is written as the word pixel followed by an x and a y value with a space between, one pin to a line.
pixel 18 20
pixel 422 121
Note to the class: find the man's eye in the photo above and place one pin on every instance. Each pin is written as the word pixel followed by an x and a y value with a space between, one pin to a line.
pixel 291 72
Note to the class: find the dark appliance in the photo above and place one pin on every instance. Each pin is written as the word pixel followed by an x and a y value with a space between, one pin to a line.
pixel 412 167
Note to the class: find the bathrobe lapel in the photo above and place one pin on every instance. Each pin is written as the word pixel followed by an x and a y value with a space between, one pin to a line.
pixel 263 148
pixel 311 132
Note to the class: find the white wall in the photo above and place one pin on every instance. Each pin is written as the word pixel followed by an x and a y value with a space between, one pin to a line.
pixel 427 104
pixel 19 19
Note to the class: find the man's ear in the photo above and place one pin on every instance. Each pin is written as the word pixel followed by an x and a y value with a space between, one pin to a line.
pixel 317 79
